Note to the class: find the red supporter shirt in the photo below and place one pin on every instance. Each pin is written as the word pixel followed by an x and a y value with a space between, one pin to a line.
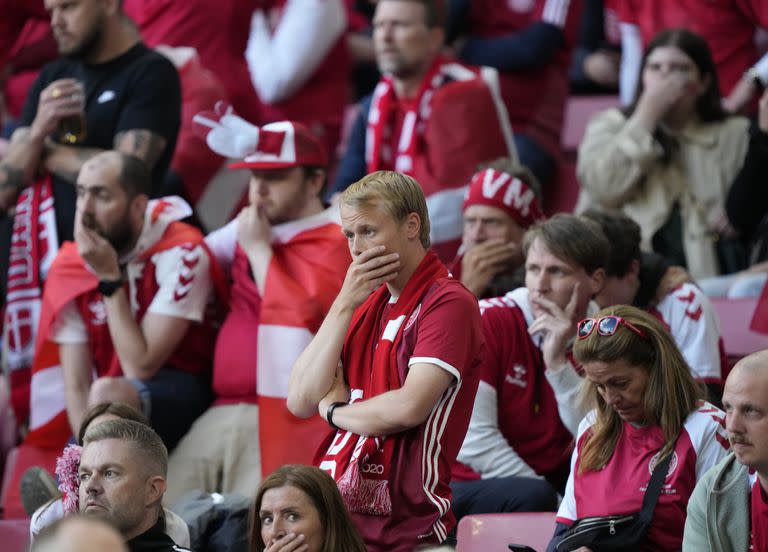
pixel 727 25
pixel 217 30
pixel 759 518
pixel 537 114
pixel 444 330
pixel 528 416
pixel 619 487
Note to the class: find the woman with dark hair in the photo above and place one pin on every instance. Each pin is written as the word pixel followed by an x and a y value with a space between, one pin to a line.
pixel 299 508
pixel 647 407
pixel 669 159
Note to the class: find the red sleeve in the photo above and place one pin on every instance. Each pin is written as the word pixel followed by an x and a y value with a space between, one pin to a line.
pixel 756 11
pixel 450 332
pixel 626 11
pixel 491 367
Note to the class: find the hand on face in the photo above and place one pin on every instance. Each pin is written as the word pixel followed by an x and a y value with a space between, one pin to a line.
pixel 484 261
pixel 372 268
pixel 289 543
pixel 96 251
pixel 253 228
pixel 660 95
pixel 556 326
pixel 62 98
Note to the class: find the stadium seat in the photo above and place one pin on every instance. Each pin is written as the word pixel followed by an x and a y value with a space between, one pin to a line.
pixel 14 535
pixel 493 532
pixel 735 317
pixel 578 111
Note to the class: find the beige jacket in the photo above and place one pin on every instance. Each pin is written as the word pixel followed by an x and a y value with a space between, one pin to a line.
pixel 620 167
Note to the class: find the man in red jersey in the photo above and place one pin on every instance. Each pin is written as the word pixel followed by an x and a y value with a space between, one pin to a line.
pixel 392 369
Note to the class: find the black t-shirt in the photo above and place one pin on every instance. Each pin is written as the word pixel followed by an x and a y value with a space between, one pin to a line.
pixel 139 89
pixel 154 540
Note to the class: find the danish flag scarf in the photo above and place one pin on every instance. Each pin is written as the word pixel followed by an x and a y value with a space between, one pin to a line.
pixel 69 279
pixel 378 154
pixel 34 243
pixel 370 364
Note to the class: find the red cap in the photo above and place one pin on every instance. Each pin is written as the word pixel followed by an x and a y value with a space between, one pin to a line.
pixel 506 192
pixel 283 145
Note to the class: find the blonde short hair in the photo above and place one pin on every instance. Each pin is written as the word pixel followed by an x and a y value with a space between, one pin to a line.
pixel 398 194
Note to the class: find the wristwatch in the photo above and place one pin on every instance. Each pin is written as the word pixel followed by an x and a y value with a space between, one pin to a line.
pixel 329 413
pixel 108 287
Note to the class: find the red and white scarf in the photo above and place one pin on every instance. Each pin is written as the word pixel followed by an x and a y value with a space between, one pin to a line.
pixel 34 244
pixel 362 467
pixel 378 154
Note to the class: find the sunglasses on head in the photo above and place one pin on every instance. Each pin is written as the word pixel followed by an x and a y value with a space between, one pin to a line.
pixel 606 325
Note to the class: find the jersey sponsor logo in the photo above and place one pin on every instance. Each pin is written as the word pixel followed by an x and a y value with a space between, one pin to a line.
pixel 98 312
pixel 672 464
pixel 412 320
pixel 519 376
pixel 522 6
pixel 106 96
pixel 189 261
pixel 378 469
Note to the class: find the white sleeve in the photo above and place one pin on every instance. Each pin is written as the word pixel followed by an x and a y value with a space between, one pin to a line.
pixel 566 384
pixel 184 276
pixel 762 69
pixel 695 327
pixel 485 449
pixel 69 327
pixel 631 61
pixel 706 429
pixel 222 243
pixel 281 63
pixel 567 510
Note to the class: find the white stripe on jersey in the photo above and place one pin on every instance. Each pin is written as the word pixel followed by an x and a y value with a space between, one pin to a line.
pixel 556 12
pixel 431 447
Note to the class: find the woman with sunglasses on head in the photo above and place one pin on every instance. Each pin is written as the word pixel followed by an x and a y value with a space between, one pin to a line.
pixel 647 407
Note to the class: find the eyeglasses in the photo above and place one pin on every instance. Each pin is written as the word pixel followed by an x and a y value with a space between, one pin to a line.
pixel 606 325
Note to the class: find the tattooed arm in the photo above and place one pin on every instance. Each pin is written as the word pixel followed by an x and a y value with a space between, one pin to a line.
pixel 144 144
pixel 66 161
pixel 18 167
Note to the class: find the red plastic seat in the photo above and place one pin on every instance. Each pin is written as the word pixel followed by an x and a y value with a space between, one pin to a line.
pixel 493 532
pixel 14 534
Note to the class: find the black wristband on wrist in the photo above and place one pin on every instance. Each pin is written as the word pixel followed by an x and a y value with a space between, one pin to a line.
pixel 108 287
pixel 329 413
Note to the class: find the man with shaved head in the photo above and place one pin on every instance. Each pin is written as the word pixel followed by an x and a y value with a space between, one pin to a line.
pixel 729 507
pixel 126 301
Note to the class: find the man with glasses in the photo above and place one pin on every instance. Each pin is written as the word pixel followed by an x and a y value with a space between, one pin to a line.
pixel 517 449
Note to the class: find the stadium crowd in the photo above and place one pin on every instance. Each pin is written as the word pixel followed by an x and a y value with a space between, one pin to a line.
pixel 393 329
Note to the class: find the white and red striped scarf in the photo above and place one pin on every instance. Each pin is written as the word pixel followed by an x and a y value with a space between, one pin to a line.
pixel 361 465
pixel 378 154
pixel 34 244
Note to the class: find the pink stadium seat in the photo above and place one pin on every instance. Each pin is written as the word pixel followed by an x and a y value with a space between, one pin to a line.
pixel 735 317
pixel 14 535
pixel 578 111
pixel 493 532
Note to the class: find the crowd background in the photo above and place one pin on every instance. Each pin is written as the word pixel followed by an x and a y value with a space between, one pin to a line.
pixel 656 110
